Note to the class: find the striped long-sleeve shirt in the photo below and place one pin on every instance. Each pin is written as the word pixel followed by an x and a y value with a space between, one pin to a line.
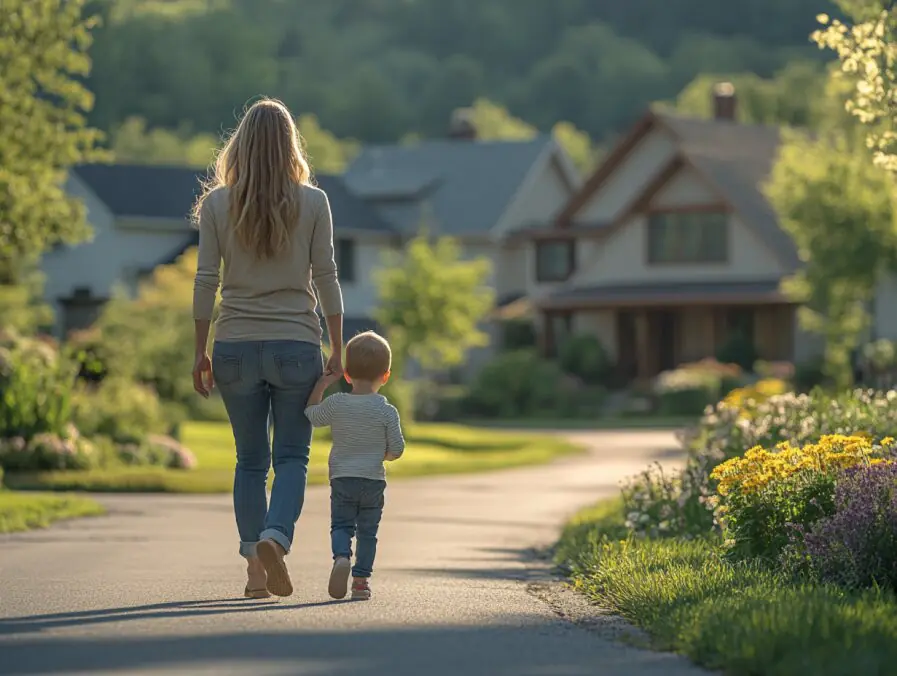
pixel 365 427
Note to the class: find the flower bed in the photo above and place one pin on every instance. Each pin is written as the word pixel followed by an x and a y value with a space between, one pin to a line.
pixel 50 421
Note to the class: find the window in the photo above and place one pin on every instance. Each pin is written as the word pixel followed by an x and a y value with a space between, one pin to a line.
pixel 688 237
pixel 554 260
pixel 345 259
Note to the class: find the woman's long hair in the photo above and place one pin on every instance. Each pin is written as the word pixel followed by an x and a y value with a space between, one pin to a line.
pixel 261 164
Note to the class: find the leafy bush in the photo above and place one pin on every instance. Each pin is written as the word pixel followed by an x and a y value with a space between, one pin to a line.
pixel 518 334
pixel 36 387
pixel 767 492
pixel 856 546
pixel 727 430
pixel 584 356
pixel 47 451
pixel 738 349
pixel 809 375
pixel 653 506
pixel 691 388
pixel 516 383
pixel 121 410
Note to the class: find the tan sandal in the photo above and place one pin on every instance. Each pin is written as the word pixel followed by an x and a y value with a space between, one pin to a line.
pixel 271 555
pixel 256 593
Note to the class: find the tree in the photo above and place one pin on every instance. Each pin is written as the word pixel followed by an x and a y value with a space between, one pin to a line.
pixel 326 153
pixel 432 301
pixel 493 121
pixel 867 51
pixel 841 211
pixel 133 142
pixel 43 56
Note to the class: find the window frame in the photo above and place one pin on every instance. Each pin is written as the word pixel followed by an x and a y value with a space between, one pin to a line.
pixel 706 250
pixel 541 244
pixel 346 246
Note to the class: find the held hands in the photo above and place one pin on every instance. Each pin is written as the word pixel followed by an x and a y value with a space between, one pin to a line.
pixel 203 381
pixel 329 378
pixel 334 365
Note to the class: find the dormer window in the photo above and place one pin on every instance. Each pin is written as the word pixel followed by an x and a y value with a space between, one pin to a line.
pixel 555 260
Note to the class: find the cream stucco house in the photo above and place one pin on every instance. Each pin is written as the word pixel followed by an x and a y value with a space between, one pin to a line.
pixel 671 246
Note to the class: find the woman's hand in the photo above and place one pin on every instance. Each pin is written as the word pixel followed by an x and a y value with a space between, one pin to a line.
pixel 334 365
pixel 203 382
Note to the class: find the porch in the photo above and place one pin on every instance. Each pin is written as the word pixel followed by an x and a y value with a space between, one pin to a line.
pixel 648 333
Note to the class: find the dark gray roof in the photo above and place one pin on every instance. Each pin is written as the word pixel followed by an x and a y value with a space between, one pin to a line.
pixel 737 159
pixel 352 326
pixel 170 192
pixel 348 210
pixel 148 191
pixel 665 293
pixel 463 186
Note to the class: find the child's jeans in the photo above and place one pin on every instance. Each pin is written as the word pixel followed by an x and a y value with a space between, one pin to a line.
pixel 356 506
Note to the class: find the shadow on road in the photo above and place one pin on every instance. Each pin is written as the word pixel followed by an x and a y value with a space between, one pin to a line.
pixel 37 623
pixel 516 648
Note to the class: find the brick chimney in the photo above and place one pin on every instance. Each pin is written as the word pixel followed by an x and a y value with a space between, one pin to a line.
pixel 725 103
pixel 461 126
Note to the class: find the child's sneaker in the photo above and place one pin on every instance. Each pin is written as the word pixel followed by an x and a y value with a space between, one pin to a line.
pixel 339 578
pixel 361 589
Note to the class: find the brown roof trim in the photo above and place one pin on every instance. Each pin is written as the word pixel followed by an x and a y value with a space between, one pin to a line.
pixel 649 301
pixel 607 168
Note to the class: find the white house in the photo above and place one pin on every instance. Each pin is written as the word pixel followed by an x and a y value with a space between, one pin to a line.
pixel 671 246
pixel 472 190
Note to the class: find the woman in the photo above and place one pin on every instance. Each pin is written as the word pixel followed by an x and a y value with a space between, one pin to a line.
pixel 273 230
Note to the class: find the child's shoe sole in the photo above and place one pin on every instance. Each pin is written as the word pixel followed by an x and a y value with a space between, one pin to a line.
pixel 339 579
pixel 279 582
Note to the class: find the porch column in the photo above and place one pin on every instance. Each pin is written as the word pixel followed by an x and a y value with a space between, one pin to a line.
pixel 643 356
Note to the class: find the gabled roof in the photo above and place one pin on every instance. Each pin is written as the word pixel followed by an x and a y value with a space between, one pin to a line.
pixel 349 211
pixel 143 191
pixel 464 186
pixel 170 192
pixel 734 159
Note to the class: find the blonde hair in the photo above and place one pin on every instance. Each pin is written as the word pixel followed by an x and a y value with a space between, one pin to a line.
pixel 368 357
pixel 261 164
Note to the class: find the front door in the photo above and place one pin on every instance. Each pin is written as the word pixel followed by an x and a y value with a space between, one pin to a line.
pixel 627 345
pixel 665 322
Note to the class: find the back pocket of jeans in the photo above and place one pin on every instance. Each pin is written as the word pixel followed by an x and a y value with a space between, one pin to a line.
pixel 298 369
pixel 226 370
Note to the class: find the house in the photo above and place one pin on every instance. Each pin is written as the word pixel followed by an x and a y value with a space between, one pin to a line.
pixel 670 248
pixel 472 190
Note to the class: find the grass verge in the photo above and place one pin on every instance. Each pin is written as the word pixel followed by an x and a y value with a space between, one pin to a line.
pixel 741 619
pixel 432 449
pixel 646 422
pixel 24 511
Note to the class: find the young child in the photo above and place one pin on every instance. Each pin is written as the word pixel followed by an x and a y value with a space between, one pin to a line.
pixel 366 431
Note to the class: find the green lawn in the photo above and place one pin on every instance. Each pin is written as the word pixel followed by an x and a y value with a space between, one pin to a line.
pixel 609 423
pixel 23 511
pixel 742 620
pixel 431 449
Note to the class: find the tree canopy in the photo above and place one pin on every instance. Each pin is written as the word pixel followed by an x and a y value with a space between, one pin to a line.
pixel 43 108
pixel 841 211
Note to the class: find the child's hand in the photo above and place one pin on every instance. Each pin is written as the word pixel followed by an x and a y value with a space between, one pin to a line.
pixel 390 456
pixel 329 378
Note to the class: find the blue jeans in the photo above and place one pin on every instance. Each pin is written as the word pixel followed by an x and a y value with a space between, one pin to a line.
pixel 356 506
pixel 258 379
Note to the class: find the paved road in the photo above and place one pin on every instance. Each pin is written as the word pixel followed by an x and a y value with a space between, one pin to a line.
pixel 154 587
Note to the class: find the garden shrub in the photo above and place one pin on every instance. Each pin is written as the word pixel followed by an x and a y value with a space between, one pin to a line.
pixel 738 349
pixel 691 388
pixel 518 334
pixel 119 409
pixel 809 375
pixel 726 431
pixel 764 494
pixel 584 356
pixel 856 546
pixel 36 387
pixel 516 383
pixel 47 451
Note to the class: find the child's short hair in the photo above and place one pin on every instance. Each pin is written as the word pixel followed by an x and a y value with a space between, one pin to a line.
pixel 368 357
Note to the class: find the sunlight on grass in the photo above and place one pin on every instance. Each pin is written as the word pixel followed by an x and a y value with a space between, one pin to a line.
pixel 740 619
pixel 23 511
pixel 431 449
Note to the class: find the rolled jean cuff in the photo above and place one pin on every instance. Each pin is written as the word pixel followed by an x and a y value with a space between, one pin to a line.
pixel 247 549
pixel 278 537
